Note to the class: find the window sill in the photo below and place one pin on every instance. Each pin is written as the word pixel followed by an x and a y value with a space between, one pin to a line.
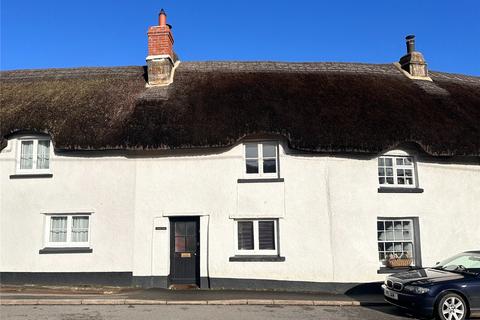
pixel 31 175
pixel 256 259
pixel 385 270
pixel 260 180
pixel 65 250
pixel 399 190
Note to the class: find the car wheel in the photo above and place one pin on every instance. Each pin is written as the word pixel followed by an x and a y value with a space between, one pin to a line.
pixel 452 307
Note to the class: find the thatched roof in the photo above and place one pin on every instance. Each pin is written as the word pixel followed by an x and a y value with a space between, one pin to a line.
pixel 333 107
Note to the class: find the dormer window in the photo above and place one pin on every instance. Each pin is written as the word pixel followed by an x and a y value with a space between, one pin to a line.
pixel 261 160
pixel 398 171
pixel 33 156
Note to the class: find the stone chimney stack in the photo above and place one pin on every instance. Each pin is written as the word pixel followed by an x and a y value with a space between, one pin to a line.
pixel 413 62
pixel 160 59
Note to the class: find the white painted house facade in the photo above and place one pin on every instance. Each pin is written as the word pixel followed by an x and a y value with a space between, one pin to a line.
pixel 263 210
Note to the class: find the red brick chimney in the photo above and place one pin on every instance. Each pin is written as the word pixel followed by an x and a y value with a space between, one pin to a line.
pixel 160 59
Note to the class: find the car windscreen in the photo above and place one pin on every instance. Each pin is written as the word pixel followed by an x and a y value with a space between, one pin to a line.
pixel 461 262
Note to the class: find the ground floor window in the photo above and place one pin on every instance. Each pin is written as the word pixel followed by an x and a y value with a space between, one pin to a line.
pixel 398 242
pixel 64 230
pixel 256 237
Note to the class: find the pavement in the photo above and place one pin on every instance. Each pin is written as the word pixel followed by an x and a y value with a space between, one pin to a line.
pixel 48 295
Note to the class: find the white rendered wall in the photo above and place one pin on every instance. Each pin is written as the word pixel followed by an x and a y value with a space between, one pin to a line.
pixel 327 209
pixel 101 185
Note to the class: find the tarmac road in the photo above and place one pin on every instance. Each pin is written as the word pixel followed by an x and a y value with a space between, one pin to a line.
pixel 195 312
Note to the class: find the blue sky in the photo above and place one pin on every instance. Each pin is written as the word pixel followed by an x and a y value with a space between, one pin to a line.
pixel 62 33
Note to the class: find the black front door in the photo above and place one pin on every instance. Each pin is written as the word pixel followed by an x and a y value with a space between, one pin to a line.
pixel 184 250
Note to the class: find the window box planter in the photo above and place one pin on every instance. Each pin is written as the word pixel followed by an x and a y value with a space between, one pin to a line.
pixel 399 262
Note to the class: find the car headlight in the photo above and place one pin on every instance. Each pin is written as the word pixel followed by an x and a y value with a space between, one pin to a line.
pixel 416 290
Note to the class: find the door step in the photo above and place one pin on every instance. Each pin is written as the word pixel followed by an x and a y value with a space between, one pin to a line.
pixel 183 287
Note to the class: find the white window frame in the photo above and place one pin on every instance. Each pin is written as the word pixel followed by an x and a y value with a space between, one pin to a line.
pixel 68 243
pixel 34 169
pixel 260 159
pixel 394 158
pixel 256 246
pixel 413 233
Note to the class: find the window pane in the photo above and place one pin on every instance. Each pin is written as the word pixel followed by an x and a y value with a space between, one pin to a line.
pixel 388 162
pixel 190 228
pixel 408 248
pixel 408 172
pixel 400 172
pixel 191 244
pixel 245 235
pixel 270 166
pixel 58 229
pixel 399 161
pixel 382 236
pixel 266 235
pixel 380 226
pixel 398 235
pixel 407 225
pixel 389 172
pixel 381 162
pixel 390 235
pixel 381 171
pixel 79 229
pixel 409 181
pixel 180 244
pixel 26 155
pixel 408 161
pixel 407 235
pixel 269 151
pixel 180 228
pixel 401 181
pixel 251 150
pixel 252 166
pixel 390 180
pixel 381 180
pixel 43 154
pixel 389 246
pixel 381 247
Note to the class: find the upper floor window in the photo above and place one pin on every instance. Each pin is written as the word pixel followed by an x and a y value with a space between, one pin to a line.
pixel 261 159
pixel 33 156
pixel 396 171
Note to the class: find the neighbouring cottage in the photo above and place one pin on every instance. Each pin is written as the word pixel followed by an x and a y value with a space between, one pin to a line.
pixel 305 176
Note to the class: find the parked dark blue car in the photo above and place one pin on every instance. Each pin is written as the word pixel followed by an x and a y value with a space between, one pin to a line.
pixel 449 291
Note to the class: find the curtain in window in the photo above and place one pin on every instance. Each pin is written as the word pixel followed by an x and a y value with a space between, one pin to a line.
pixel 266 235
pixel 79 229
pixel 58 229
pixel 245 235
pixel 43 154
pixel 26 155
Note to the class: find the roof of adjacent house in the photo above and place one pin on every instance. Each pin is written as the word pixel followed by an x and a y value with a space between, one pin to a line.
pixel 317 107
